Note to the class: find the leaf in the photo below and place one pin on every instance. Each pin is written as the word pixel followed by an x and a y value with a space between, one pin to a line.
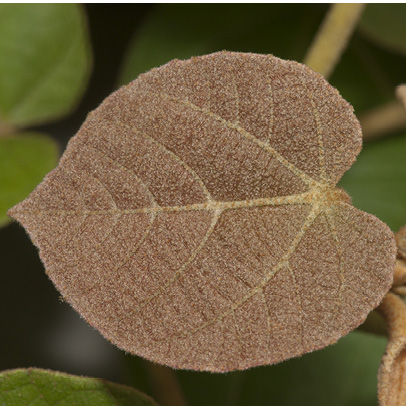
pixel 24 161
pixel 44 61
pixel 194 218
pixel 377 180
pixel 21 387
pixel 385 24
pixel 173 31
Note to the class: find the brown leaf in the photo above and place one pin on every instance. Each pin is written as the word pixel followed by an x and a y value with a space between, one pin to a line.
pixel 194 219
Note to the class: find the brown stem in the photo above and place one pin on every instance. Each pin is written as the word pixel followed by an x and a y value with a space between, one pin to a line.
pixel 401 94
pixel 332 37
pixel 399 274
pixel 400 237
pixel 6 129
pixel 393 310
pixel 392 372
pixel 383 120
pixel 166 386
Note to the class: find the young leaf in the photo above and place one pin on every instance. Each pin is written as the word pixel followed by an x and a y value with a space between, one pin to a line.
pixel 21 387
pixel 194 219
pixel 44 61
pixel 24 161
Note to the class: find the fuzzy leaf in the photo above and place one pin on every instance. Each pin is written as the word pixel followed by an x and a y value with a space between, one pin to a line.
pixel 24 160
pixel 44 61
pixel 194 219
pixel 22 387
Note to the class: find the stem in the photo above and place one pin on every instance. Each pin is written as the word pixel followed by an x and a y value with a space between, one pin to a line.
pixel 332 37
pixel 392 372
pixel 393 310
pixel 399 275
pixel 166 386
pixel 401 94
pixel 6 129
pixel 383 120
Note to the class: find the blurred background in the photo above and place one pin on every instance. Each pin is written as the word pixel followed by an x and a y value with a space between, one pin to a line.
pixel 58 62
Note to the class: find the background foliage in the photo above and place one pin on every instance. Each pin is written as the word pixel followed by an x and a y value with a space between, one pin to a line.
pixel 45 54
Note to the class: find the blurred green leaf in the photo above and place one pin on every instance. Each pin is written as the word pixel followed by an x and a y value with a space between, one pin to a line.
pixel 182 31
pixel 24 160
pixel 342 374
pixel 377 180
pixel 44 61
pixel 22 387
pixel 386 24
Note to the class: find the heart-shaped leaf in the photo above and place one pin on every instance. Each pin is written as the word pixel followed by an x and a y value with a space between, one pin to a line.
pixel 194 219
pixel 22 387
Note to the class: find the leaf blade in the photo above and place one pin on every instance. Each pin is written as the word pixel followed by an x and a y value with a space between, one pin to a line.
pixel 20 387
pixel 45 61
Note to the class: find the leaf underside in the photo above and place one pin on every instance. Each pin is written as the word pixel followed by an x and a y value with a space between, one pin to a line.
pixel 194 218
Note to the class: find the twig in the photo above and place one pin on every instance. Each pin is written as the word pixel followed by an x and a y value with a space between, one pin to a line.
pixel 332 37
pixel 166 386
pixel 6 129
pixel 392 372
pixel 401 94
pixel 383 120
pixel 399 275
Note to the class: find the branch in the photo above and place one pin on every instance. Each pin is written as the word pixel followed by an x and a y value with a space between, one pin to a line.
pixel 332 37
pixel 166 385
pixel 392 372
pixel 383 120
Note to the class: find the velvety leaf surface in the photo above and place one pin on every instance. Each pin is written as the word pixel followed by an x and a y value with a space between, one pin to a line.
pixel 385 24
pixel 44 61
pixel 24 161
pixel 194 219
pixel 22 387
pixel 377 180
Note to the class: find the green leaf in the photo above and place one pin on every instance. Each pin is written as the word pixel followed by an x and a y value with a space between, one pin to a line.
pixel 182 31
pixel 24 160
pixel 386 24
pixel 377 180
pixel 342 374
pixel 44 61
pixel 22 387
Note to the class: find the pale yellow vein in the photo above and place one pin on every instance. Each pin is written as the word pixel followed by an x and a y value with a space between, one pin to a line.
pixel 306 198
pixel 271 110
pixel 154 203
pixel 257 289
pixel 308 180
pixel 333 230
pixel 268 322
pixel 322 161
pixel 237 101
pixel 299 298
pixel 173 155
pixel 182 269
